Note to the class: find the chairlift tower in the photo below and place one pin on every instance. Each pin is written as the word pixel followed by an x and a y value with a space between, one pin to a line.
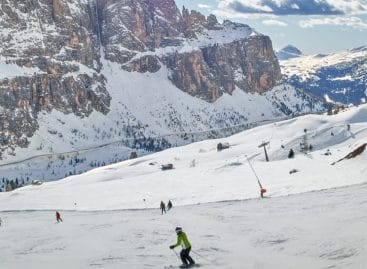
pixel 263 145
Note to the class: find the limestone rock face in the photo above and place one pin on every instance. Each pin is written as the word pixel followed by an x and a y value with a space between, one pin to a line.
pixel 186 42
pixel 211 71
pixel 55 45
pixel 54 53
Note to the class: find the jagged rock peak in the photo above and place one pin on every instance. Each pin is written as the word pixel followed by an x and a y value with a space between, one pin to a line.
pixel 59 50
pixel 205 58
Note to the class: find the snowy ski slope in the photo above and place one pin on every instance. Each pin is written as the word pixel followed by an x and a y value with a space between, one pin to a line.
pixel 316 230
pixel 215 176
pixel 315 218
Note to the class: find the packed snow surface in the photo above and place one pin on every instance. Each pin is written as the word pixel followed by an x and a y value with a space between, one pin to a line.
pixel 325 229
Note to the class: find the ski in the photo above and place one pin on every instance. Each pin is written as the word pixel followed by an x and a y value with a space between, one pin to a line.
pixel 181 266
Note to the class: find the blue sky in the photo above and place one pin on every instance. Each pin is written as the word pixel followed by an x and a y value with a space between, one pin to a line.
pixel 314 26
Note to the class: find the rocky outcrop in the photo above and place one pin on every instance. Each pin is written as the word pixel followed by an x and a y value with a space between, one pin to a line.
pixel 132 26
pixel 55 43
pixel 156 31
pixel 55 51
pixel 211 71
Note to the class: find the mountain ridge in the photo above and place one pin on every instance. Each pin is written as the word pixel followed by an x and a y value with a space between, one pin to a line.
pixel 82 79
pixel 342 76
pixel 288 52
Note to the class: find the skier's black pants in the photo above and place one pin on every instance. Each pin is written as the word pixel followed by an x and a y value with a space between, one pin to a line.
pixel 185 256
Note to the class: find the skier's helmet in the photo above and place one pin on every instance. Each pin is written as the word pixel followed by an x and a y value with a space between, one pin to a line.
pixel 178 230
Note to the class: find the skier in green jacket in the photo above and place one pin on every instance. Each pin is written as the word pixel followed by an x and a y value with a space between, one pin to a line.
pixel 186 247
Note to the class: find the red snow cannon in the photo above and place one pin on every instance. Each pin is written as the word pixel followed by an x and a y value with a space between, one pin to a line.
pixel 262 191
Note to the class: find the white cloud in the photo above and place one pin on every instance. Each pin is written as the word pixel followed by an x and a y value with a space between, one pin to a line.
pixel 230 14
pixel 294 7
pixel 204 6
pixel 251 4
pixel 350 6
pixel 274 23
pixel 354 22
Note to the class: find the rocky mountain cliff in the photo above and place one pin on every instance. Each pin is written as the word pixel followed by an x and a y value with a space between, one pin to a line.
pixel 142 35
pixel 52 52
pixel 80 74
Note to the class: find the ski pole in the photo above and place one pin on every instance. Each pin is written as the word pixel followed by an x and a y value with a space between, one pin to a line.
pixel 176 253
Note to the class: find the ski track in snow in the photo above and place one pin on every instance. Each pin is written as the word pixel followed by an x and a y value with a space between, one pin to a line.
pixel 324 229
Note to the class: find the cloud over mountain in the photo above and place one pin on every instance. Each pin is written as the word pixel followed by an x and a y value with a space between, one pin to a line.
pixel 295 7
pixel 274 23
pixel 354 22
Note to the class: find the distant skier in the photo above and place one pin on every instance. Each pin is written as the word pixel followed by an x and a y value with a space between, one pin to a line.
pixel 169 205
pixel 0 221
pixel 186 248
pixel 163 207
pixel 58 217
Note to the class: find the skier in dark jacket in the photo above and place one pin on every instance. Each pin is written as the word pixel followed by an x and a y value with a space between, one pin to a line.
pixel 58 217
pixel 186 248
pixel 163 207
pixel 169 205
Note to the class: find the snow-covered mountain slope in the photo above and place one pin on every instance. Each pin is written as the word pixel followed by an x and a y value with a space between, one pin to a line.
pixel 288 52
pixel 83 83
pixel 341 76
pixel 325 229
pixel 203 174
pixel 144 118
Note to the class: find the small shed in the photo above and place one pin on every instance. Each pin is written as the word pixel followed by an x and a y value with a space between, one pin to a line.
pixel 167 166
